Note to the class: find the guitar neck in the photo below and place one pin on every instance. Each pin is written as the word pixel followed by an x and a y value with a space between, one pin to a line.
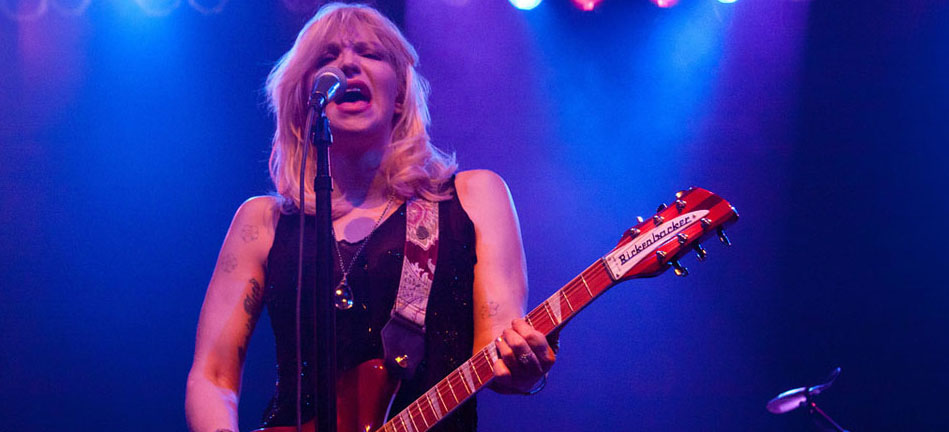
pixel 469 378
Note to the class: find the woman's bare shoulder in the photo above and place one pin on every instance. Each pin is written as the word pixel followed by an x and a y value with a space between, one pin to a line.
pixel 480 183
pixel 257 217
pixel 482 193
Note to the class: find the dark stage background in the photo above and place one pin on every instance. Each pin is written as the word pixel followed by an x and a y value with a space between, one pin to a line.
pixel 127 141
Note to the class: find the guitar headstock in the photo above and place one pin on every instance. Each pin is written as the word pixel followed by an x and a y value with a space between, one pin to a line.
pixel 654 245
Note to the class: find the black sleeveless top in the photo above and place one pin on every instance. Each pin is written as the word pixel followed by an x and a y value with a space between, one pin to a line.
pixel 374 279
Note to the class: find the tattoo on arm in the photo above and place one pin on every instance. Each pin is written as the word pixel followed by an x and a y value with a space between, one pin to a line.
pixel 489 309
pixel 253 303
pixel 249 233
pixel 254 299
pixel 228 262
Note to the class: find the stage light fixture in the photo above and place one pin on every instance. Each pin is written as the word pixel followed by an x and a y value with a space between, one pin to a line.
pixel 587 5
pixel 525 4
pixel 665 3
pixel 727 1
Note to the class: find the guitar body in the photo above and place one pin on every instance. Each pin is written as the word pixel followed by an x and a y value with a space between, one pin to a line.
pixel 363 397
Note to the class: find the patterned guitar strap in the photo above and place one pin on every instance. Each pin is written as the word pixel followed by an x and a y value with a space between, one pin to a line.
pixel 403 337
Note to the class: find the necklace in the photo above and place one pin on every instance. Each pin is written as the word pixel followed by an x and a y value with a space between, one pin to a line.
pixel 343 294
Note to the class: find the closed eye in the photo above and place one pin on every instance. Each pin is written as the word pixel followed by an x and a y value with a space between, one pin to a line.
pixel 372 55
pixel 329 55
pixel 324 60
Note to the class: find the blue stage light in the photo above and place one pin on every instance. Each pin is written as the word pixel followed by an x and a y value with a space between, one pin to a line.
pixel 158 8
pixel 525 4
pixel 727 1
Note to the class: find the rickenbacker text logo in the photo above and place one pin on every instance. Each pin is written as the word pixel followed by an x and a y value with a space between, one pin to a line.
pixel 623 259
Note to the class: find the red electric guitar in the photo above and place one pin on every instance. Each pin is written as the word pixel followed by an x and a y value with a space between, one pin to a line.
pixel 645 250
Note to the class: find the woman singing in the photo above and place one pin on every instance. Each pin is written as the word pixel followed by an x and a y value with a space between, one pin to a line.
pixel 383 164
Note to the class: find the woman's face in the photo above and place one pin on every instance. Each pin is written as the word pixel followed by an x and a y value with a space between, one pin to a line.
pixel 369 104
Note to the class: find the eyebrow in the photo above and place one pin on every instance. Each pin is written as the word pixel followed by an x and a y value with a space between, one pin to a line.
pixel 364 45
pixel 357 45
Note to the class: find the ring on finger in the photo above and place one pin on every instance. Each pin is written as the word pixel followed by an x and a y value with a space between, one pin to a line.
pixel 525 358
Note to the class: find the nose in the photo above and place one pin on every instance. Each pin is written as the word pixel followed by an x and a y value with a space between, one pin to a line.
pixel 347 63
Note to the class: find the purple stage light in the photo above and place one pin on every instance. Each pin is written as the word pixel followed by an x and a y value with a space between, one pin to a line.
pixel 24 10
pixel 587 5
pixel 665 3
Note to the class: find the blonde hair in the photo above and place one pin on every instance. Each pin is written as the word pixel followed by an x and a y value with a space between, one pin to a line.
pixel 411 165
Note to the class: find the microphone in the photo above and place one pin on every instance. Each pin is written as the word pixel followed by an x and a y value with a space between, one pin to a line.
pixel 330 82
pixel 796 398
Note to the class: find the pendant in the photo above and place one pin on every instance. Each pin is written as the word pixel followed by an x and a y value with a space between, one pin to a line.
pixel 343 295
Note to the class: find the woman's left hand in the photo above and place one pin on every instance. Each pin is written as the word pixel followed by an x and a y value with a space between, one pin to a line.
pixel 525 358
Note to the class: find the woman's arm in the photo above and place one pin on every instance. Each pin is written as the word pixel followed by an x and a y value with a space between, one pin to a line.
pixel 500 284
pixel 231 307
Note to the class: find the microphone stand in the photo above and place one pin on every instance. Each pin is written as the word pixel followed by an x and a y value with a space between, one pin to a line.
pixel 819 414
pixel 323 308
pixel 804 396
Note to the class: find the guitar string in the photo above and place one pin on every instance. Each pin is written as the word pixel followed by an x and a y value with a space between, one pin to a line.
pixel 593 274
pixel 481 362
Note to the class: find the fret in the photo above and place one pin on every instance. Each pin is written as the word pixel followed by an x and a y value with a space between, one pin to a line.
pixel 492 352
pixel 587 286
pixel 458 377
pixel 405 424
pixel 466 374
pixel 421 413
pixel 408 413
pixel 440 388
pixel 399 417
pixel 476 374
pixel 528 319
pixel 556 307
pixel 567 299
pixel 447 380
pixel 537 318
pixel 487 361
pixel 549 314
pixel 437 409
pixel 441 400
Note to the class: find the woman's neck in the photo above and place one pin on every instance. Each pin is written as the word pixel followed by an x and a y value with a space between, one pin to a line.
pixel 357 177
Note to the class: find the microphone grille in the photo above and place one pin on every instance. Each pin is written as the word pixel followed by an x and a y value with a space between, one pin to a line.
pixel 329 82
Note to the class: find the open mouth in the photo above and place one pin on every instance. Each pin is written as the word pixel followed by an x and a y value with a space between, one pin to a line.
pixel 355 93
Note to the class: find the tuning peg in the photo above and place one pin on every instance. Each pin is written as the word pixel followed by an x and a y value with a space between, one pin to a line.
pixel 634 232
pixel 706 222
pixel 679 269
pixel 639 219
pixel 723 238
pixel 680 205
pixel 734 211
pixel 661 255
pixel 661 207
pixel 658 220
pixel 700 252
pixel 683 238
